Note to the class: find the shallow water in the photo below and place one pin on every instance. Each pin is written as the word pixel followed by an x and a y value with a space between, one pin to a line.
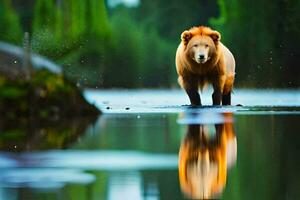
pixel 147 145
pixel 174 101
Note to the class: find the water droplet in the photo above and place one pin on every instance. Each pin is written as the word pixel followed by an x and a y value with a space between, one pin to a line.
pixel 138 117
pixel 15 61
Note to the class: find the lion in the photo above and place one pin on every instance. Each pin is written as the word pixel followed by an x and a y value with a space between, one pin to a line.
pixel 201 58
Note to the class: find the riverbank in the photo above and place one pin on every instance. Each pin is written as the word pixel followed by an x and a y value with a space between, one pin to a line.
pixel 45 95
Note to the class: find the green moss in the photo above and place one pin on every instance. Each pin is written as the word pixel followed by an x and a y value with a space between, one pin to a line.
pixel 53 83
pixel 44 113
pixel 13 134
pixel 12 92
pixel 45 95
pixel 2 81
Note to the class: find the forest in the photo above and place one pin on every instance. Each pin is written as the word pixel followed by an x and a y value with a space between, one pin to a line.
pixel 122 46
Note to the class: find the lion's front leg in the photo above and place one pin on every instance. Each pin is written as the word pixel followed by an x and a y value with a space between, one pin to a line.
pixel 190 85
pixel 194 97
pixel 218 86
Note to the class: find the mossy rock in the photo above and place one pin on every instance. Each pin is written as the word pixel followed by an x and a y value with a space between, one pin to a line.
pixel 45 95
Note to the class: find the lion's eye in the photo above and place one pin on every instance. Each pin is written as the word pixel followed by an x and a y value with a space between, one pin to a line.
pixel 206 45
pixel 195 45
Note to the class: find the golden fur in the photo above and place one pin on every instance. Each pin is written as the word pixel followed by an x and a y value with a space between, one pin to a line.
pixel 203 161
pixel 217 67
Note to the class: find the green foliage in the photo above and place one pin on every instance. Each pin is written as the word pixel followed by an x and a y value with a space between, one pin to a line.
pixel 140 43
pixel 139 54
pixel 260 38
pixel 159 70
pixel 97 22
pixel 125 55
pixel 76 35
pixel 171 18
pixel 10 29
pixel 60 27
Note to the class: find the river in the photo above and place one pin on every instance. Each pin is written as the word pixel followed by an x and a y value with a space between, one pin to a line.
pixel 149 144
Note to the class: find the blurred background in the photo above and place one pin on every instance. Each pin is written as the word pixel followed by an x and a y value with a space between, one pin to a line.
pixel 57 57
pixel 132 43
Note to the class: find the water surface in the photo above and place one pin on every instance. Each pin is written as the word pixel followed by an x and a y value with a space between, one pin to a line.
pixel 150 145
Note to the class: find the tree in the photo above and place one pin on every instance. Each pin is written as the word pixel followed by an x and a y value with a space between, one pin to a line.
pixel 259 34
pixel 9 22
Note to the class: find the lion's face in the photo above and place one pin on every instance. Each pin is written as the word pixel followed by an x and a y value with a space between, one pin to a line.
pixel 201 48
pixel 200 43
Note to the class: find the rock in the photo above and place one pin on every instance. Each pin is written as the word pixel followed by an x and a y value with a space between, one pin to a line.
pixel 46 95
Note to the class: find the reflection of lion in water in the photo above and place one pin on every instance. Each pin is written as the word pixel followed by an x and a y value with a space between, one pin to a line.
pixel 203 161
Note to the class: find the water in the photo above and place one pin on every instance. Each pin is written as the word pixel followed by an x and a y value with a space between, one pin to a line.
pixel 150 145
pixel 162 101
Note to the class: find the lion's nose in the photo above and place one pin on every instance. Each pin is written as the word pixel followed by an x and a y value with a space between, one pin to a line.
pixel 201 56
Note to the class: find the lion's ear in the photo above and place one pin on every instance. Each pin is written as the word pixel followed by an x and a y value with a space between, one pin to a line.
pixel 185 37
pixel 216 36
